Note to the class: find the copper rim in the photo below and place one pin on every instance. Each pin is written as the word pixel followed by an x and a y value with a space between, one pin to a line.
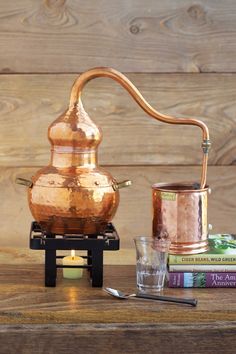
pixel 183 187
pixel 189 248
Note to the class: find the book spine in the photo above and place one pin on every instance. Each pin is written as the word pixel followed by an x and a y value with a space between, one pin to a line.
pixel 203 259
pixel 201 268
pixel 202 280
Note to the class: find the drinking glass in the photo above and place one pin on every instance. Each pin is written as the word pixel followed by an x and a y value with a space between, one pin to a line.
pixel 151 262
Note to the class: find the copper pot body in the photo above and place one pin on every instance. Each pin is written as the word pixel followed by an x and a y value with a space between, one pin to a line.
pixel 66 209
pixel 180 214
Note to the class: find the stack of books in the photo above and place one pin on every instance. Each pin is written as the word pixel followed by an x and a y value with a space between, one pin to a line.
pixel 215 268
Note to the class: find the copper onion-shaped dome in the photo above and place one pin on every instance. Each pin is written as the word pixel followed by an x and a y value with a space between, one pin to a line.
pixel 74 130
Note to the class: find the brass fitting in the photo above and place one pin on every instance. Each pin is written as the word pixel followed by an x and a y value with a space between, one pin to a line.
pixel 206 144
pixel 24 182
pixel 122 184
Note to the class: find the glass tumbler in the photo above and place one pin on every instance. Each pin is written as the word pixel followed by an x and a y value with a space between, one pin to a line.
pixel 151 263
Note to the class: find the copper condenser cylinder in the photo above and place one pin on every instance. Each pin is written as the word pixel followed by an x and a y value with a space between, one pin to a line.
pixel 180 214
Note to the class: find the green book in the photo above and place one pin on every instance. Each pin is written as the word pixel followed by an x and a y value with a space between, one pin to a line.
pixel 222 251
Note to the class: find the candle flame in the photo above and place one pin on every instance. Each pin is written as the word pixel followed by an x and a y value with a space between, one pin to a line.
pixel 73 254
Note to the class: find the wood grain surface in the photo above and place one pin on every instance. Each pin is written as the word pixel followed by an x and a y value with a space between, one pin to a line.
pixel 134 215
pixel 21 255
pixel 137 36
pixel 118 339
pixel 29 103
pixel 74 316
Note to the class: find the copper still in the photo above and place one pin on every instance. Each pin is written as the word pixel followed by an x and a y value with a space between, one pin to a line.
pixel 74 195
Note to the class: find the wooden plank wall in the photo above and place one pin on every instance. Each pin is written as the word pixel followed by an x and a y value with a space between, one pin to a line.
pixel 180 54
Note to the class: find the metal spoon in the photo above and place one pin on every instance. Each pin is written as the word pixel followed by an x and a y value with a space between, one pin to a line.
pixel 120 295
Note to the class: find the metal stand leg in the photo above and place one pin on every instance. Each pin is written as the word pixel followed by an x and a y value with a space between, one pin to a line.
pixel 89 262
pixel 50 268
pixel 97 268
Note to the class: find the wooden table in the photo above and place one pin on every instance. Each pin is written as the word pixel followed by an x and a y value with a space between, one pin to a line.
pixel 75 318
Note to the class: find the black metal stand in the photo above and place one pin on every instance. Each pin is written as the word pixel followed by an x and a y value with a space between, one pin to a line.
pixel 93 244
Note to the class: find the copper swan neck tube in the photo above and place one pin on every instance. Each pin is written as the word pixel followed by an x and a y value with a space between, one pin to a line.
pixel 75 99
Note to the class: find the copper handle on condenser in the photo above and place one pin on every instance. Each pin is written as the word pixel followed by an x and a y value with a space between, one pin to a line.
pixel 75 99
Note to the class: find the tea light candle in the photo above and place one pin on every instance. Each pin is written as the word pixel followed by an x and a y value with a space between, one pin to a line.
pixel 73 260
